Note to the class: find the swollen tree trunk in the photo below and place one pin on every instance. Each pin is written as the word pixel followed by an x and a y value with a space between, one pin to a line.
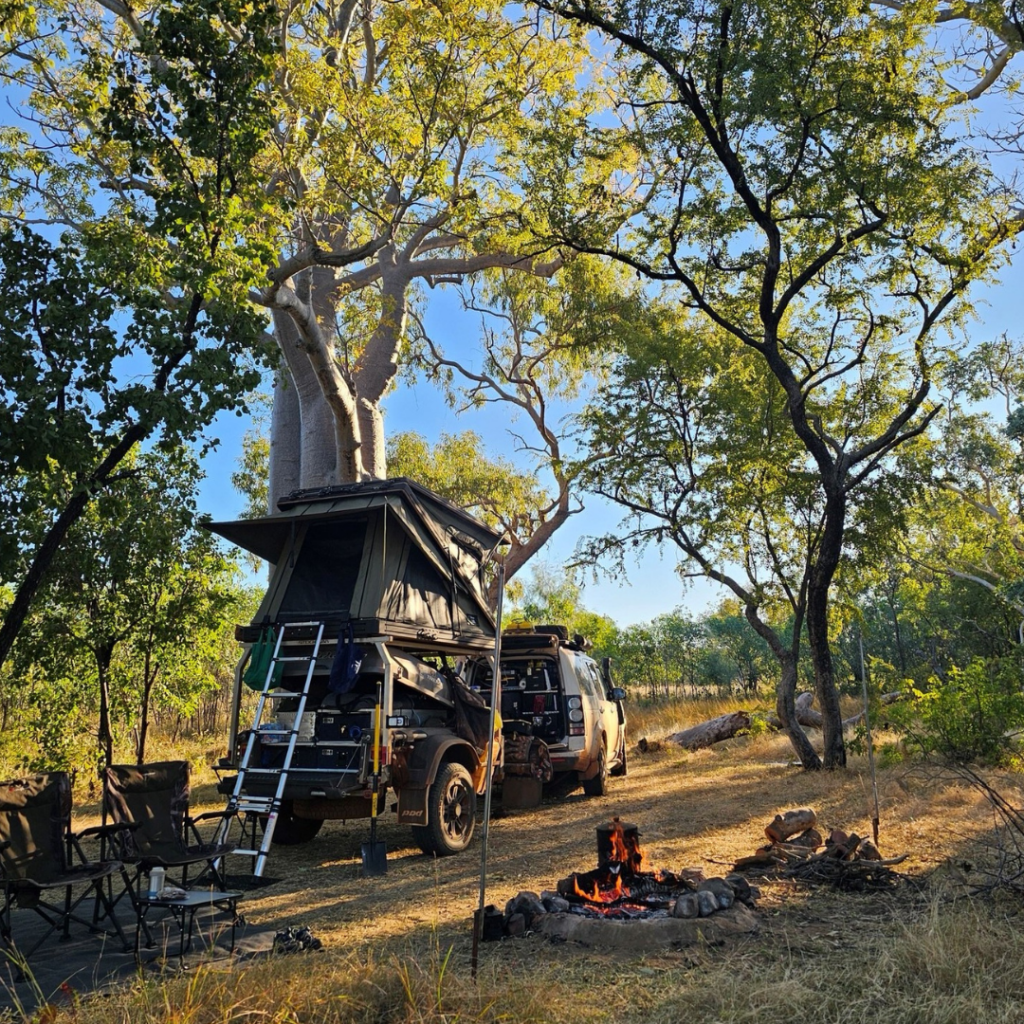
pixel 285 440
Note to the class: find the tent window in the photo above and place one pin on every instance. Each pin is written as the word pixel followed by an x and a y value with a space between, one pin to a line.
pixel 326 568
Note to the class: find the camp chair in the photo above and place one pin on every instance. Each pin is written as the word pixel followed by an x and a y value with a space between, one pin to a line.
pixel 147 806
pixel 36 846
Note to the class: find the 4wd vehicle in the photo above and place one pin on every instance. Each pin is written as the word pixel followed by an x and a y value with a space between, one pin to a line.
pixel 376 590
pixel 561 714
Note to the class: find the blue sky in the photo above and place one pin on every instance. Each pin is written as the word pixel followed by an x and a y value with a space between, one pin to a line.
pixel 653 586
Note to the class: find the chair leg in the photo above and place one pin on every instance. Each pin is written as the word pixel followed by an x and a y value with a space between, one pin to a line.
pixel 109 911
pixel 66 935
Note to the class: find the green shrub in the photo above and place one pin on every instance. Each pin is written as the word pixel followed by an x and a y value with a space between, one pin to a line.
pixel 967 716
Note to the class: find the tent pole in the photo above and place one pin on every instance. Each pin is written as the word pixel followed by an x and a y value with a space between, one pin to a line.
pixel 478 918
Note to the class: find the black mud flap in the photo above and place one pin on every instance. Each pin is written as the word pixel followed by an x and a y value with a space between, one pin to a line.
pixel 412 806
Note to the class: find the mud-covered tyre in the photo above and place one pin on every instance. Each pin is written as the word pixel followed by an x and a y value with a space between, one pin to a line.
pixel 598 785
pixel 291 830
pixel 451 810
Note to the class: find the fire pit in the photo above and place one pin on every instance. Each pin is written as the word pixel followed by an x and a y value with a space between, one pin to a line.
pixel 657 908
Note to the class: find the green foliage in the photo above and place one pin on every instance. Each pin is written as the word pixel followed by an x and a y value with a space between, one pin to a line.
pixel 458 468
pixel 132 615
pixel 967 715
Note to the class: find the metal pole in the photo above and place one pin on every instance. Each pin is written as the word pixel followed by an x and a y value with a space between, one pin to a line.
pixel 478 918
pixel 867 727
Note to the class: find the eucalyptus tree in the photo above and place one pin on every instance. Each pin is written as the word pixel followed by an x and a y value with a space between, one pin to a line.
pixel 136 585
pixel 543 348
pixel 800 182
pixel 690 436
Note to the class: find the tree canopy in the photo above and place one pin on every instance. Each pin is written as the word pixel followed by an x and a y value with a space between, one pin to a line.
pixel 799 184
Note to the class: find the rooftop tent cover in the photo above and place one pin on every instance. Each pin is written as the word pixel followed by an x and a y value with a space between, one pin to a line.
pixel 382 551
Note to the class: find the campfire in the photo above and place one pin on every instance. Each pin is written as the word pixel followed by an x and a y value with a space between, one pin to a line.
pixel 622 885
pixel 621 888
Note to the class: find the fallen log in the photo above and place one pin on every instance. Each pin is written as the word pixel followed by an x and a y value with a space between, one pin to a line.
pixel 712 731
pixel 810 718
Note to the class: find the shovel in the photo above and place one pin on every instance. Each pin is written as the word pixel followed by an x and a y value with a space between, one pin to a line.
pixel 375 854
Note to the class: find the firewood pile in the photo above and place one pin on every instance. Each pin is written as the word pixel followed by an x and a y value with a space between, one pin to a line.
pixel 796 850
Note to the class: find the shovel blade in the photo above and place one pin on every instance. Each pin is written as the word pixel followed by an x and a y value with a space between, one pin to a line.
pixel 375 859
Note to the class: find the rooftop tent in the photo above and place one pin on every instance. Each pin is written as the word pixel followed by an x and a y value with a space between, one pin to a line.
pixel 389 556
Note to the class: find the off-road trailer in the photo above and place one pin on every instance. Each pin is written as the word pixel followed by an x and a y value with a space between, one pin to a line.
pixel 376 596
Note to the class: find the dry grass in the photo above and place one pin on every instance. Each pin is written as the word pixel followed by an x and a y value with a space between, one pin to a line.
pixel 397 947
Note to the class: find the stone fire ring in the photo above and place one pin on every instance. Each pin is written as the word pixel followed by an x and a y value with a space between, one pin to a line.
pixel 650 934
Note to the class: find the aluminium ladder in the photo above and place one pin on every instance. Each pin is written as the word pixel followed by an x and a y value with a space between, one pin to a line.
pixel 254 808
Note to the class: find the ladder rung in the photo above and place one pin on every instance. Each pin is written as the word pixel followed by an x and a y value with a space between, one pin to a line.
pixel 246 853
pixel 295 657
pixel 282 696
pixel 255 805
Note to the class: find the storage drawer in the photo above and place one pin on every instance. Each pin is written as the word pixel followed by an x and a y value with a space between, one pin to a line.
pixel 332 755
pixel 272 755
pixel 332 726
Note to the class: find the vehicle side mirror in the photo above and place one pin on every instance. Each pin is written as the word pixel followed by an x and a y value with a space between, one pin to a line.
pixel 606 672
pixel 617 693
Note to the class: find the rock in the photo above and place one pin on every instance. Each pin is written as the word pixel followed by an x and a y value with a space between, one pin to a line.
pixel 707 902
pixel 715 885
pixel 516 926
pixel 649 935
pixel 686 906
pixel 555 904
pixel 740 887
pixel 721 889
pixel 528 904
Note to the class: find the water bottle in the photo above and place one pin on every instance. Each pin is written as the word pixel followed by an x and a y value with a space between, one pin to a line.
pixel 156 880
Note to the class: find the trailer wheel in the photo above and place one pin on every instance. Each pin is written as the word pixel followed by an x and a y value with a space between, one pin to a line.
pixel 291 830
pixel 451 809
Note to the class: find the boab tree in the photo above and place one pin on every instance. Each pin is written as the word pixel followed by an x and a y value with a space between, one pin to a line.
pixel 401 140
pixel 804 191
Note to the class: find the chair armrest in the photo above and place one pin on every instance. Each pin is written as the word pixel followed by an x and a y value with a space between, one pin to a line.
pixel 107 830
pixel 113 831
pixel 209 815
pixel 192 824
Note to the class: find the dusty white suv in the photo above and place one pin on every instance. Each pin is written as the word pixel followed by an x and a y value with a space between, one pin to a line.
pixel 561 713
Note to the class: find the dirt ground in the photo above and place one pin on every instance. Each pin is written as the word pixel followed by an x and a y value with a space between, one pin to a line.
pixel 693 809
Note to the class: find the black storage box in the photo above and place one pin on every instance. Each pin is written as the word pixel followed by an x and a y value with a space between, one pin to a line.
pixel 272 755
pixel 332 725
pixel 333 755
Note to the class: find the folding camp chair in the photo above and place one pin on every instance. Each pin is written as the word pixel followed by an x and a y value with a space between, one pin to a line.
pixel 147 805
pixel 36 845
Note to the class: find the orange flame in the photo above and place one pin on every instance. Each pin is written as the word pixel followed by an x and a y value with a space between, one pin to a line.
pixel 599 895
pixel 630 853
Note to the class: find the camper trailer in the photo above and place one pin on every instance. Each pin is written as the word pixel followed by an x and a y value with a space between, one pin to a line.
pixel 376 598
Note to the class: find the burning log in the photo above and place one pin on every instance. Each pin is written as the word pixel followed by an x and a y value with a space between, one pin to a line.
pixel 714 730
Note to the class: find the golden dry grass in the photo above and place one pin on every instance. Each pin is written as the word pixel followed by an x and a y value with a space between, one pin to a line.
pixel 398 947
